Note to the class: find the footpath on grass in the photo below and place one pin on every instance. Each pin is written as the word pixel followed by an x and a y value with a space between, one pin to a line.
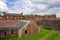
pixel 49 35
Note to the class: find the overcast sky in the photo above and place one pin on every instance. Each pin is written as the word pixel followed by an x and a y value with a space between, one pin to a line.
pixel 31 6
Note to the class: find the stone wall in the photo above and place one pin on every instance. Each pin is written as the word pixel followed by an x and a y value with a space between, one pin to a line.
pixel 8 33
pixel 31 29
pixel 50 23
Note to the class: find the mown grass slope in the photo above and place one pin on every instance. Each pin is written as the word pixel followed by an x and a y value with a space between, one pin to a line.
pixel 44 34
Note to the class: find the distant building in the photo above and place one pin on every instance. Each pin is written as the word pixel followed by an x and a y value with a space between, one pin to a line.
pixel 50 16
pixel 21 28
pixel 15 16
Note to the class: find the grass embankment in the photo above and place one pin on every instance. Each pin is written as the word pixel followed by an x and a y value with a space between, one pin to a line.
pixel 44 34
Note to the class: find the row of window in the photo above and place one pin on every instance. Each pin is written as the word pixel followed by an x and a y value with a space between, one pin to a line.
pixel 12 32
pixel 6 32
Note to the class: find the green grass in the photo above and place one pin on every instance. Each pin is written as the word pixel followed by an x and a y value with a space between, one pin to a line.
pixel 44 34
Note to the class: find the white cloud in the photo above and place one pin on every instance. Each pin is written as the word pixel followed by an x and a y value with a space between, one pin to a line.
pixel 52 1
pixel 28 6
pixel 38 0
pixel 41 6
pixel 25 6
pixel 54 10
pixel 3 6
pixel 4 0
pixel 52 6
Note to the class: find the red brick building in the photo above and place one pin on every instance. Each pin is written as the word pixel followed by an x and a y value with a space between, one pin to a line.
pixel 21 28
pixel 12 16
pixel 50 16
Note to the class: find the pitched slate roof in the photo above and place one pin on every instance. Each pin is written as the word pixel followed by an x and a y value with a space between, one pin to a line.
pixel 20 24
